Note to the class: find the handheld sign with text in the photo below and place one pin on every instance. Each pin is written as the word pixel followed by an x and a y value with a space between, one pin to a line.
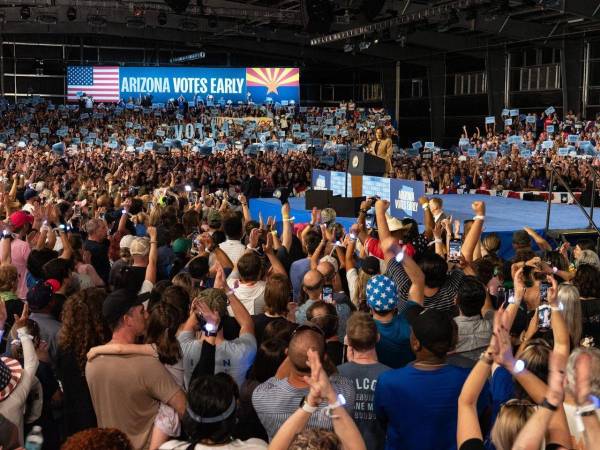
pixel 429 145
pixel 490 120
pixel 550 110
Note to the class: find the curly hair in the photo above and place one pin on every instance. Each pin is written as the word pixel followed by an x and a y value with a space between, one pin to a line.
pixel 98 439
pixel 316 440
pixel 82 324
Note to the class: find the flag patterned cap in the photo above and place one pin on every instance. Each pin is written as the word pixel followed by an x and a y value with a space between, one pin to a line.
pixel 382 295
pixel 10 375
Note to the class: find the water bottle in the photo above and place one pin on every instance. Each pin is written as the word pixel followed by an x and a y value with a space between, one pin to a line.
pixel 35 439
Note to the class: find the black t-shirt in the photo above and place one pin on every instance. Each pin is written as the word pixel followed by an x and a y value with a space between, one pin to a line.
pixel 100 262
pixel 590 314
pixel 335 352
pixel 260 323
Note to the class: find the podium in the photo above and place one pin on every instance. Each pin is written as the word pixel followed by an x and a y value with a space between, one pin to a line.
pixel 360 163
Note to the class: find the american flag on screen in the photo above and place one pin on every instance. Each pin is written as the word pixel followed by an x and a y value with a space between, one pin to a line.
pixel 99 82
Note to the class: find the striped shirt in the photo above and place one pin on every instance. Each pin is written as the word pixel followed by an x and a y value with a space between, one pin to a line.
pixel 276 400
pixel 443 299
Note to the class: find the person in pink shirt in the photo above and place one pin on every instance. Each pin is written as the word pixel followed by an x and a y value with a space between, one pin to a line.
pixel 21 223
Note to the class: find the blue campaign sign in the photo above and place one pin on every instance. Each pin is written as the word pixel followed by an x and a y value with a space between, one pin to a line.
pixel 472 153
pixel 376 186
pixel 404 199
pixel 228 85
pixel 321 179
pixel 338 183
pixel 563 151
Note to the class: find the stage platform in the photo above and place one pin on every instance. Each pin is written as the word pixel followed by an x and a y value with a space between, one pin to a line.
pixel 503 215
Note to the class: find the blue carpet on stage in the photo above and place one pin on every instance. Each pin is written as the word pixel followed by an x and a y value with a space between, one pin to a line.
pixel 503 215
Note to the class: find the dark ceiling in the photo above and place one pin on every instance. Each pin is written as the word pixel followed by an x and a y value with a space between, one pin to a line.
pixel 407 30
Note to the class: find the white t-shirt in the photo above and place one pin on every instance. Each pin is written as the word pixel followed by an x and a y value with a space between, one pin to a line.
pixel 233 249
pixel 250 444
pixel 252 296
pixel 352 277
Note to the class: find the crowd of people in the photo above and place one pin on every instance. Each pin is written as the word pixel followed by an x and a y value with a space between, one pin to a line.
pixel 143 307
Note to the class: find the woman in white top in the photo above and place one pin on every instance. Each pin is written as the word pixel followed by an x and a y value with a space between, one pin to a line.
pixel 210 417
pixel 16 381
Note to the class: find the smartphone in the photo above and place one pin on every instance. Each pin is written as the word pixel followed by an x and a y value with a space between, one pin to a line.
pixel 454 251
pixel 327 294
pixel 544 291
pixel 193 197
pixel 369 220
pixel 544 313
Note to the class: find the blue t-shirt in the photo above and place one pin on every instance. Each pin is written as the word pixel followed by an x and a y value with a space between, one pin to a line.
pixel 421 406
pixel 393 348
pixel 297 271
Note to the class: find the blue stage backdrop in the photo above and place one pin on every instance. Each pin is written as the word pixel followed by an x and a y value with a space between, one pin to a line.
pixel 211 85
pixel 403 195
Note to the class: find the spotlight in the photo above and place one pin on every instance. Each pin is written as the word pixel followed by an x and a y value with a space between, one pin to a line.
pixel 25 13
pixel 162 18
pixel 71 14
pixel 282 194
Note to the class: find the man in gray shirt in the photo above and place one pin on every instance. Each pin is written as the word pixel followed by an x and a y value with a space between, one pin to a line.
pixel 364 369
pixel 233 357
pixel 279 397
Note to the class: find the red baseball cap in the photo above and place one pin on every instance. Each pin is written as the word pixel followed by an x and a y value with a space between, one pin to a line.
pixel 20 218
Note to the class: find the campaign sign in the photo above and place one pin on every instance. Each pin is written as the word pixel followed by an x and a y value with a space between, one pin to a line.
pixel 490 120
pixel 321 179
pixel 338 183
pixel 429 145
pixel 514 112
pixel 550 110
pixel 404 199
pixel 417 145
pixel 472 153
pixel 376 186
pixel 563 151
pixel 256 84
pixel 572 138
pixel 530 119
pixel 550 128
pixel 525 153
pixel 508 122
pixel 547 144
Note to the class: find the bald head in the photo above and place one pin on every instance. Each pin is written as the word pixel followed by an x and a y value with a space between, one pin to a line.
pixel 299 345
pixel 326 269
pixel 312 280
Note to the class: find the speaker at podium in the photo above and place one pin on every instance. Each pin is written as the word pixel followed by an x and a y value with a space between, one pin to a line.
pixel 360 163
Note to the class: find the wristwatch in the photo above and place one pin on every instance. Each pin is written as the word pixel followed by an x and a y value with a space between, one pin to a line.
pixel 546 404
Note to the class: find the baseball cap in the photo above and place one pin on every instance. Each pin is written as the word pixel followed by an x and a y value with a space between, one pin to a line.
pixel 520 237
pixel 433 328
pixel 20 218
pixel 30 193
pixel 118 302
pixel 382 295
pixel 126 241
pixel 328 215
pixel 181 245
pixel 140 246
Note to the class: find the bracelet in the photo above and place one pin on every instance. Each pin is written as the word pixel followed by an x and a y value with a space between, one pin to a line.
pixel 289 219
pixel 306 407
pixel 341 401
pixel 546 404
pixel 479 218
pixel 587 410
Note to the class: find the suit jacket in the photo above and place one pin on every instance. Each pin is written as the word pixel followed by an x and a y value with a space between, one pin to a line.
pixel 384 150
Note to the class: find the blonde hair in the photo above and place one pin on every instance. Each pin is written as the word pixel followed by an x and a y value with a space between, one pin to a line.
pixel 512 417
pixel 568 296
pixel 361 287
pixel 590 258
pixel 491 243
pixel 594 354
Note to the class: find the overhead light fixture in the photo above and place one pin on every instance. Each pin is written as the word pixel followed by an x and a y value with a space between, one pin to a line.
pixel 349 47
pixel 71 14
pixel 162 18
pixel 363 45
pixel 138 11
pixel 25 13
